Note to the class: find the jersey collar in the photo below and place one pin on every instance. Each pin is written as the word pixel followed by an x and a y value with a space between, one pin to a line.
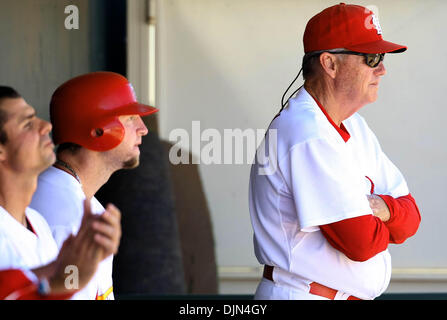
pixel 340 129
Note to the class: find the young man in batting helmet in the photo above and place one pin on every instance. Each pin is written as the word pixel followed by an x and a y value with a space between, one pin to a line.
pixel 97 126
pixel 324 219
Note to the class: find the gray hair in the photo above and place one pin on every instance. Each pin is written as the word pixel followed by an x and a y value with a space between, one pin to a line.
pixel 311 61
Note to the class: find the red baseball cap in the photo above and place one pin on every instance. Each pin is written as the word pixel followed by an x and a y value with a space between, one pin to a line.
pixel 347 26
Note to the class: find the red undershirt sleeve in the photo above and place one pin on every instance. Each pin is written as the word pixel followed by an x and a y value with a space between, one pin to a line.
pixel 12 281
pixel 359 238
pixel 15 285
pixel 363 237
pixel 405 217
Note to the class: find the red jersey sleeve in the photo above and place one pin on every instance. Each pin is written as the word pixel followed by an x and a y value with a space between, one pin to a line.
pixel 363 237
pixel 359 238
pixel 405 217
pixel 15 285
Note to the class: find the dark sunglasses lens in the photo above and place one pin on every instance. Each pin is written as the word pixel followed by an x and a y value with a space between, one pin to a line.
pixel 373 60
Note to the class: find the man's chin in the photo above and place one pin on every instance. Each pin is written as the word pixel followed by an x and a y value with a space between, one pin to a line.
pixel 48 162
pixel 374 94
pixel 51 159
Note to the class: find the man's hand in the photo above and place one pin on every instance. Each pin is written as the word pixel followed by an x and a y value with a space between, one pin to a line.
pixel 107 228
pixel 98 237
pixel 379 207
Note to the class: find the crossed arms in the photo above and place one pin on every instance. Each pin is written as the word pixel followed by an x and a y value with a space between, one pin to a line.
pixel 361 238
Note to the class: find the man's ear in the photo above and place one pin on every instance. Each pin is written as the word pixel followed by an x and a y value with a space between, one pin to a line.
pixel 328 63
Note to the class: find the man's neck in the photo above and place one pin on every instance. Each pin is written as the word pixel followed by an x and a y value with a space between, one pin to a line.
pixel 16 195
pixel 337 107
pixel 89 168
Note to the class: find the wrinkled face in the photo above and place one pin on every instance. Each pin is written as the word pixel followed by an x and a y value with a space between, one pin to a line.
pixel 127 154
pixel 28 147
pixel 358 81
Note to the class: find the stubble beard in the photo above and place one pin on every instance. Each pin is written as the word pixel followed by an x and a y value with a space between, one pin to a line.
pixel 47 161
pixel 131 163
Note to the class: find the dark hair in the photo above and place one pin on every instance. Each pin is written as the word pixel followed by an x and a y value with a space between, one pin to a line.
pixel 71 147
pixel 5 93
pixel 8 92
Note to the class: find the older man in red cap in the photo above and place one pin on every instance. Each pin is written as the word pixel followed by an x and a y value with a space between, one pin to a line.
pixel 324 218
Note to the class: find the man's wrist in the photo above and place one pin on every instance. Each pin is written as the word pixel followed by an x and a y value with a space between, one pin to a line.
pixel 43 287
pixel 388 202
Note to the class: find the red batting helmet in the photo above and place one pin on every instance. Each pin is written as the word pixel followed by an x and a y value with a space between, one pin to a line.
pixel 85 110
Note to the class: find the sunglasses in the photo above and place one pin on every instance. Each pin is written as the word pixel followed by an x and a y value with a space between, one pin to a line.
pixel 371 59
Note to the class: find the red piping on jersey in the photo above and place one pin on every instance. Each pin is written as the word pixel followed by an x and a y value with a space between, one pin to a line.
pixel 372 185
pixel 340 129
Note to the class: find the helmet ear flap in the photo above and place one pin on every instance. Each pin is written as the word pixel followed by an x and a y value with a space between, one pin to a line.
pixel 105 135
pixel 97 132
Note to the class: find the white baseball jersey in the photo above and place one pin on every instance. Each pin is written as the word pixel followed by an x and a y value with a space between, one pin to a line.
pixel 59 197
pixel 21 248
pixel 317 179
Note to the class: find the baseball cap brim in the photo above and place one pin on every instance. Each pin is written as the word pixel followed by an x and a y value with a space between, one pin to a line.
pixel 137 108
pixel 380 46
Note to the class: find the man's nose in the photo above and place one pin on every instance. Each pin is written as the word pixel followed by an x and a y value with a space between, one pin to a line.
pixel 381 70
pixel 45 127
pixel 142 129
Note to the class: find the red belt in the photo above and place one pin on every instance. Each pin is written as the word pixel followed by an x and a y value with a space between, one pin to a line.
pixel 315 288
